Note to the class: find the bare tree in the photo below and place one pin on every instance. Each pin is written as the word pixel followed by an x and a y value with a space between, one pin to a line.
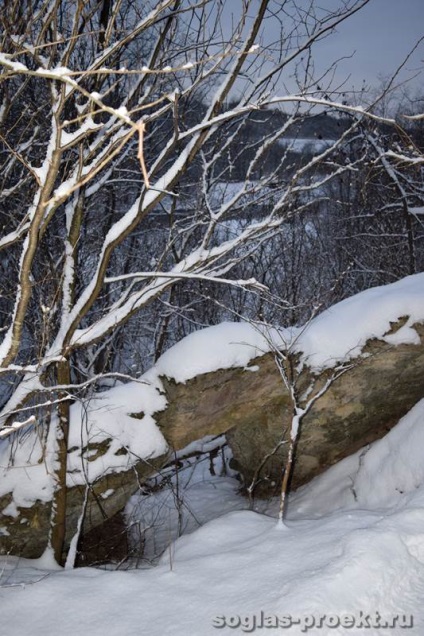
pixel 121 127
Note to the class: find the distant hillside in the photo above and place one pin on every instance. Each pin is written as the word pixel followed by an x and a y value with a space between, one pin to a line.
pixel 322 126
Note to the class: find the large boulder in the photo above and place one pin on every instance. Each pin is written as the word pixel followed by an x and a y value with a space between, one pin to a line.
pixel 254 410
pixel 225 380
pixel 360 407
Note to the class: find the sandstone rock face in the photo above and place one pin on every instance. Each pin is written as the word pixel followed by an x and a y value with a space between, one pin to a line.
pixel 27 533
pixel 252 406
pixel 360 407
pixel 214 403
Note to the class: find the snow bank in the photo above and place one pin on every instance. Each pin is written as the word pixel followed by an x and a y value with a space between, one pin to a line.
pixel 350 571
pixel 383 474
pixel 340 332
pixel 241 574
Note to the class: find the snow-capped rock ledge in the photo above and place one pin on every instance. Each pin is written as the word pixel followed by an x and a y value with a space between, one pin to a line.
pixel 224 379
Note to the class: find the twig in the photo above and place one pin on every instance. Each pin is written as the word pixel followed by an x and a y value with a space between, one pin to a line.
pixel 141 127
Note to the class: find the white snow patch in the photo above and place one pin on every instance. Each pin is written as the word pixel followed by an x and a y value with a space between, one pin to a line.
pixel 26 477
pixel 59 70
pixel 107 416
pixel 107 493
pixel 10 510
pixel 223 346
pixel 340 332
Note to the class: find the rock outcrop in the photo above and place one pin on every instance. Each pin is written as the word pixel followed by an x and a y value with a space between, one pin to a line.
pixel 253 408
pixel 25 533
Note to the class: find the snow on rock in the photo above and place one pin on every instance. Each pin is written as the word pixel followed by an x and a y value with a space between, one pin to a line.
pixel 106 423
pixel 108 416
pixel 27 476
pixel 223 346
pixel 340 332
pixel 336 335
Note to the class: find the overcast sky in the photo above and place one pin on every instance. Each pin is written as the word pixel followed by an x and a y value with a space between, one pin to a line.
pixel 378 38
pixel 381 35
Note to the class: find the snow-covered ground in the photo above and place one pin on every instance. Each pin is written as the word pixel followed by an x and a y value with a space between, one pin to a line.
pixel 349 560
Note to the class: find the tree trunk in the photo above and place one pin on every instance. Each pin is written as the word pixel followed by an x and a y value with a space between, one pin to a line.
pixel 58 512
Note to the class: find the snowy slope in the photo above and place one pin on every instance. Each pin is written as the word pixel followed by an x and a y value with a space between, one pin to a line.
pixel 347 571
pixel 239 568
